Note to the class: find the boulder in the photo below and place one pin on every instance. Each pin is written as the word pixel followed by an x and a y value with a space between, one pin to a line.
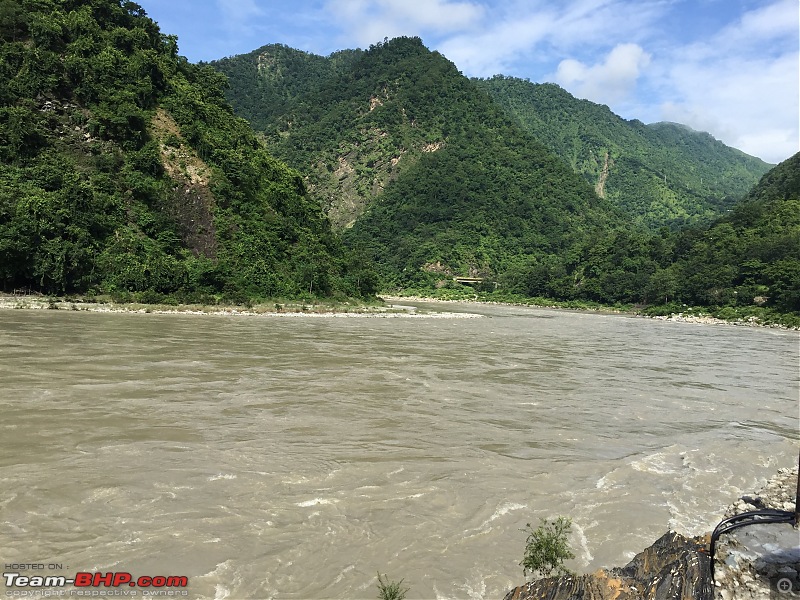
pixel 673 568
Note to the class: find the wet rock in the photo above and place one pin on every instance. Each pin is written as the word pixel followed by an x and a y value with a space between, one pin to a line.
pixel 673 568
pixel 752 561
pixel 756 502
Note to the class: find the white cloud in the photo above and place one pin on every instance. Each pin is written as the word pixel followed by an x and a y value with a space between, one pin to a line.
pixel 766 23
pixel 367 22
pixel 492 51
pixel 526 32
pixel 239 16
pixel 749 103
pixel 608 82
pixel 741 84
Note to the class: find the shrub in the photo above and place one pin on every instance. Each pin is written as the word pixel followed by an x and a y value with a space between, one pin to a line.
pixel 390 590
pixel 547 548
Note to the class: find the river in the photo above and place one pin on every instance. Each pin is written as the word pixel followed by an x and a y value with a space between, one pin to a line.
pixel 269 457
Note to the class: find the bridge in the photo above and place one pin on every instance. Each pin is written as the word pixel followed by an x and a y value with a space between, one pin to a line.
pixel 473 280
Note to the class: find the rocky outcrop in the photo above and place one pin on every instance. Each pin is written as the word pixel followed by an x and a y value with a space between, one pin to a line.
pixel 750 562
pixel 673 568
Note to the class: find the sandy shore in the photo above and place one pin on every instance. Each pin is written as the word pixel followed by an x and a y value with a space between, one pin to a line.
pixel 395 307
pixel 675 317
pixel 301 310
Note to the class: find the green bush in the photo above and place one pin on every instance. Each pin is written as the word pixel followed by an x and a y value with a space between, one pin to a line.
pixel 547 548
pixel 390 590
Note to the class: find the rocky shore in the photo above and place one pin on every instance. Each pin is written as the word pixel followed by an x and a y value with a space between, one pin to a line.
pixel 295 309
pixel 709 320
pixel 750 562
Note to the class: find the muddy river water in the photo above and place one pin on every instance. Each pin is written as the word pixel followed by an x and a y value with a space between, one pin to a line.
pixel 269 457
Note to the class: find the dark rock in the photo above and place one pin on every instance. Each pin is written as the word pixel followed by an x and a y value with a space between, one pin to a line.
pixel 673 568
pixel 749 562
pixel 757 502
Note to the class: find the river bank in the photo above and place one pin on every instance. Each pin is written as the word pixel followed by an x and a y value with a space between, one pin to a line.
pixel 395 306
pixel 749 563
pixel 694 317
pixel 275 309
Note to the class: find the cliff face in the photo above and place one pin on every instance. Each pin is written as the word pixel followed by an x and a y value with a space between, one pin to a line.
pixel 750 563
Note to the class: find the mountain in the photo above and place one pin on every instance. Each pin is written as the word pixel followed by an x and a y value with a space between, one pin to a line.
pixel 745 264
pixel 434 177
pixel 276 75
pixel 660 174
pixel 752 255
pixel 123 170
pixel 419 166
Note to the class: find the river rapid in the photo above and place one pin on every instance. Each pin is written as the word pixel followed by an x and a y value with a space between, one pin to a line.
pixel 269 457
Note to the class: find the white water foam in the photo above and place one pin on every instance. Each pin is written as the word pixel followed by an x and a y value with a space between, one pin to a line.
pixel 316 501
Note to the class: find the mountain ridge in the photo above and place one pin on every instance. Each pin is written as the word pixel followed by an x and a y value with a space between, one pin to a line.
pixel 123 170
pixel 661 173
pixel 401 139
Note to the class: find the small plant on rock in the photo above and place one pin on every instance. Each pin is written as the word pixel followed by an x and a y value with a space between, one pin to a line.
pixel 547 548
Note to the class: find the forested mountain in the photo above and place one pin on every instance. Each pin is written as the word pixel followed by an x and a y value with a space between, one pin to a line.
pixel 661 174
pixel 754 251
pixel 748 258
pixel 432 179
pixel 314 110
pixel 276 76
pixel 123 169
pixel 429 175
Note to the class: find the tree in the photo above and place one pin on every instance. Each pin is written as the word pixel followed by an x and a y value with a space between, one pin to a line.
pixel 662 286
pixel 12 20
pixel 547 548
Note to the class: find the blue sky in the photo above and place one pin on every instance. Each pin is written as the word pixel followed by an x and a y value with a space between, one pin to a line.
pixel 729 67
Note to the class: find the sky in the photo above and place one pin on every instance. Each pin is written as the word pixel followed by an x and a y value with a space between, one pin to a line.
pixel 728 67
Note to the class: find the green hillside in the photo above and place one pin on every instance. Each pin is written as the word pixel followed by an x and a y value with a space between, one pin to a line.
pixel 124 170
pixel 354 121
pixel 753 253
pixel 660 174
pixel 427 175
pixel 419 166
pixel 267 82
pixel 745 263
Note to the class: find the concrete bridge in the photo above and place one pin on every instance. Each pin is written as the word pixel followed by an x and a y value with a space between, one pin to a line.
pixel 473 280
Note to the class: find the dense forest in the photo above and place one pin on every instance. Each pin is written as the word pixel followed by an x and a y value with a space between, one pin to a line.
pixel 434 176
pixel 749 257
pixel 664 174
pixel 123 170
pixel 353 121
pixel 441 181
